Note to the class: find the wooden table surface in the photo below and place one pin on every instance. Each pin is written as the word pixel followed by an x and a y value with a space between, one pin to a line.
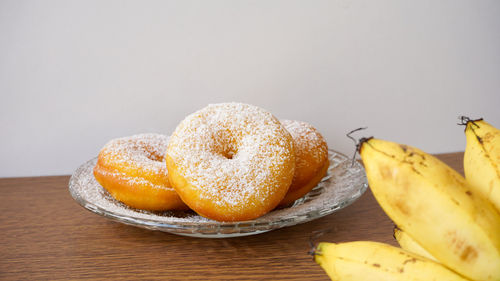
pixel 46 235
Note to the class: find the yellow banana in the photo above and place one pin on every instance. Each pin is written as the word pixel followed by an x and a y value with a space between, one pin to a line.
pixel 363 260
pixel 435 205
pixel 408 243
pixel 482 159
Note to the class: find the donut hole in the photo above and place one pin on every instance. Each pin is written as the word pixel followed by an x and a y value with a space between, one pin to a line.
pixel 150 153
pixel 228 153
pixel 225 144
pixel 157 158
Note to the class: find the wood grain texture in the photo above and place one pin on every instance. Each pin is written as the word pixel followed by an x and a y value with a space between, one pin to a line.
pixel 46 235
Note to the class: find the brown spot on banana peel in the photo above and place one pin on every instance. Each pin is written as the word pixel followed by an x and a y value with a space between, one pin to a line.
pixel 466 252
pixel 414 169
pixel 469 253
pixel 385 172
pixel 410 160
pixel 402 206
pixel 455 201
pixel 405 254
pixel 412 260
pixel 487 137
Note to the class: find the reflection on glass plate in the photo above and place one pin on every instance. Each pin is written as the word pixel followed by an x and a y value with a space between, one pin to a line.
pixel 341 186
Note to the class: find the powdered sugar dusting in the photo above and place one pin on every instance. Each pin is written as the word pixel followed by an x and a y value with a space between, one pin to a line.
pixel 231 152
pixel 306 140
pixel 136 156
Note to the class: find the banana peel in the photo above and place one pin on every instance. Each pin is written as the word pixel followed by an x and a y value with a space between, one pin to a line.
pixel 364 260
pixel 436 206
pixel 482 159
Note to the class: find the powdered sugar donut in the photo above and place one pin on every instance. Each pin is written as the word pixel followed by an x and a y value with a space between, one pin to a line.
pixel 132 170
pixel 311 159
pixel 231 161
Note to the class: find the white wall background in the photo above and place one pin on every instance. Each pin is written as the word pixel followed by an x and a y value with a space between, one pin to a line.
pixel 74 74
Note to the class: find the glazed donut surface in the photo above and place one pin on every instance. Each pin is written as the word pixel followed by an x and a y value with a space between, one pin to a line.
pixel 231 161
pixel 132 170
pixel 311 159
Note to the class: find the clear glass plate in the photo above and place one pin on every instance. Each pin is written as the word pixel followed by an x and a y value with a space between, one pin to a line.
pixel 343 184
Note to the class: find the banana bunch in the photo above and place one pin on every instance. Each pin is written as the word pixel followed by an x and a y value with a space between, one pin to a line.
pixel 447 223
